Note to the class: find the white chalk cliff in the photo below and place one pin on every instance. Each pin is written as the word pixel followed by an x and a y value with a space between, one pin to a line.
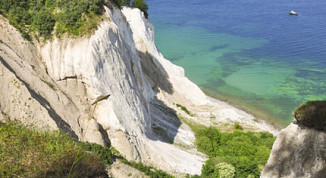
pixel 297 152
pixel 113 86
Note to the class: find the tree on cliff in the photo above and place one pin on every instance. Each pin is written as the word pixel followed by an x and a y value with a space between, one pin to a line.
pixel 140 4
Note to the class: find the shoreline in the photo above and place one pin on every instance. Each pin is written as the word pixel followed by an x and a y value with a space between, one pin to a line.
pixel 268 125
pixel 257 114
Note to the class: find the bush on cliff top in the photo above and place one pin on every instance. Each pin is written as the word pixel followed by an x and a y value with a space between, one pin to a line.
pixel 312 114
pixel 38 17
pixel 75 17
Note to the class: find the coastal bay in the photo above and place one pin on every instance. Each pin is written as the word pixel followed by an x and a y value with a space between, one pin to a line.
pixel 260 58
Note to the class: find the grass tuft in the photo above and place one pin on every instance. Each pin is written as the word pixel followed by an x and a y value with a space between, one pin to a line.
pixel 49 84
pixel 237 126
pixel 183 108
pixel 148 170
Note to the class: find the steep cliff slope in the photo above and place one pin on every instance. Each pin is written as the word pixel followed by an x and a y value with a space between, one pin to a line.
pixel 297 152
pixel 113 86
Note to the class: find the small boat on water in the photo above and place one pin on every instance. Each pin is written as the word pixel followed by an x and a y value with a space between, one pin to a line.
pixel 292 12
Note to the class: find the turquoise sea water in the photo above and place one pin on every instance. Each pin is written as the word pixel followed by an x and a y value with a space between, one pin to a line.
pixel 248 52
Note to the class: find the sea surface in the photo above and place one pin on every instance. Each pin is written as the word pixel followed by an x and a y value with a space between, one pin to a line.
pixel 250 53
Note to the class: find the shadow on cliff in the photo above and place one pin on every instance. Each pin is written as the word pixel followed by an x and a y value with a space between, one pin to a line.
pixel 284 156
pixel 157 75
pixel 165 122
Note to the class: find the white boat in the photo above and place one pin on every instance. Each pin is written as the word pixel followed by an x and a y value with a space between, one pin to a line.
pixel 292 12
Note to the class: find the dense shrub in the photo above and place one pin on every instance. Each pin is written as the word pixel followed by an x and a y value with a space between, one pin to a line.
pixel 247 152
pixel 208 139
pixel 76 17
pixel 312 114
pixel 44 22
pixel 103 152
pixel 40 16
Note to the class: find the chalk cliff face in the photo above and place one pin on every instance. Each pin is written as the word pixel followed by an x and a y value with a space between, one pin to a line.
pixel 297 152
pixel 112 87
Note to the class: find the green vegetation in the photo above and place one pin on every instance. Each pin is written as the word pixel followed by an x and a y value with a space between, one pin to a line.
pixel 220 170
pixel 25 152
pixel 247 152
pixel 28 153
pixel 105 153
pixel 49 84
pixel 238 126
pixel 40 17
pixel 183 108
pixel 148 170
pixel 312 114
pixel 77 17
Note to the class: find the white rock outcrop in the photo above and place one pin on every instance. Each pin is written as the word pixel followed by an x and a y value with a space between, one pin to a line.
pixel 112 85
pixel 297 152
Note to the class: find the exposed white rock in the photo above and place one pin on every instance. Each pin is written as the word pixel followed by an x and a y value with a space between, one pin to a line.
pixel 30 96
pixel 297 152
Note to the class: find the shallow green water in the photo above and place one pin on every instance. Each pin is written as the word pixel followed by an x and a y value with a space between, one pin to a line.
pixel 226 66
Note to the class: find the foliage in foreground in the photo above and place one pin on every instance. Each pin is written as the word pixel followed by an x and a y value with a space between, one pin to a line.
pixel 312 114
pixel 247 152
pixel 28 153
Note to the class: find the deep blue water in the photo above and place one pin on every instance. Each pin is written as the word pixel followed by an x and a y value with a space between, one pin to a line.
pixel 250 52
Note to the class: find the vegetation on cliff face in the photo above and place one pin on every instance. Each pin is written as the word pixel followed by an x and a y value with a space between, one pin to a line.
pixel 244 152
pixel 312 114
pixel 147 170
